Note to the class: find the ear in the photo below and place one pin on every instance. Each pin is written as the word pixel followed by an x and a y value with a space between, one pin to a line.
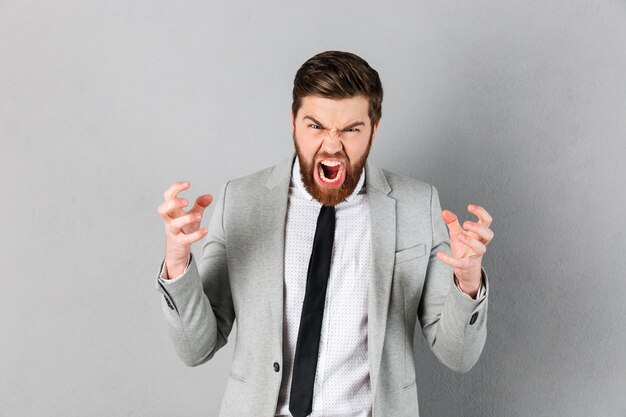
pixel 293 123
pixel 375 129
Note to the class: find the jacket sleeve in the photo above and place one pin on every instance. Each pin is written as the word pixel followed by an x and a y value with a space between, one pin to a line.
pixel 198 305
pixel 454 324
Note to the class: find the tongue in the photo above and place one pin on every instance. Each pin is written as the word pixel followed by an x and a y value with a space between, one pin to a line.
pixel 330 172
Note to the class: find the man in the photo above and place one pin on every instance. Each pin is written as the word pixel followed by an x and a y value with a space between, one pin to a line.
pixel 326 262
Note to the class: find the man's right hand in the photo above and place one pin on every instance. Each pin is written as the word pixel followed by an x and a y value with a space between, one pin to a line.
pixel 181 229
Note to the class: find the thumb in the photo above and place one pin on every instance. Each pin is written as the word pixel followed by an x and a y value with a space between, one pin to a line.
pixel 202 202
pixel 451 221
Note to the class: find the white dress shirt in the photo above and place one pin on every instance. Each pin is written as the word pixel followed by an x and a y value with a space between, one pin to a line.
pixel 342 385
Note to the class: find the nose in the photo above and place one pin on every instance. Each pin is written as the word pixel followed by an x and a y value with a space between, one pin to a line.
pixel 332 144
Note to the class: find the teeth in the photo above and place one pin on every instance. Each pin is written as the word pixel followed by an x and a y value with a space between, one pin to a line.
pixel 331 163
pixel 337 177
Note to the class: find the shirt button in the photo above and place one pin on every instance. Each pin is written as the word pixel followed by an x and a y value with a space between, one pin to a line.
pixel 276 367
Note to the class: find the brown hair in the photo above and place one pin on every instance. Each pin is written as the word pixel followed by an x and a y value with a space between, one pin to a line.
pixel 337 74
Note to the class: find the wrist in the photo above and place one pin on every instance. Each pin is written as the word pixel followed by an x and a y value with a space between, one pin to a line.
pixel 467 288
pixel 174 267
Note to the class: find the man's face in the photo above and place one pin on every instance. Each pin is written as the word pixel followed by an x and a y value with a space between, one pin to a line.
pixel 332 139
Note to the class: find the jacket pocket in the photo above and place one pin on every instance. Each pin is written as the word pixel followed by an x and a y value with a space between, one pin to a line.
pixel 411 253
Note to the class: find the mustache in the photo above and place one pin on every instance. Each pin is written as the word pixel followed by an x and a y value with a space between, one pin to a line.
pixel 342 156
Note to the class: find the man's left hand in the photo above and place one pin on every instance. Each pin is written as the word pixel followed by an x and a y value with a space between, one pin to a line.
pixel 468 244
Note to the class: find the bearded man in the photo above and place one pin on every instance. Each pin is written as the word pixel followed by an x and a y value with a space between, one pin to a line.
pixel 328 264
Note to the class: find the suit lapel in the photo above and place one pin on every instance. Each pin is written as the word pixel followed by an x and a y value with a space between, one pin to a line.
pixel 272 216
pixel 383 224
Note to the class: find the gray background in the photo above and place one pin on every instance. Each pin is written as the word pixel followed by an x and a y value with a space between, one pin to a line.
pixel 517 106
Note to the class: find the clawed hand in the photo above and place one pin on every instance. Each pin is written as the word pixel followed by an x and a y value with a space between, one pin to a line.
pixel 181 228
pixel 468 244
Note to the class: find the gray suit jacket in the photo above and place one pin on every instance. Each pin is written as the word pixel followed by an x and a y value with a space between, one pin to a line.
pixel 240 275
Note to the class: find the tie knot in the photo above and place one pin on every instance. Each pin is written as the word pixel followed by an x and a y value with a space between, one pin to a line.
pixel 327 217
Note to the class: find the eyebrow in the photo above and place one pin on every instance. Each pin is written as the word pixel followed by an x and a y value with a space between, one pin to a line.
pixel 355 124
pixel 311 118
pixel 350 126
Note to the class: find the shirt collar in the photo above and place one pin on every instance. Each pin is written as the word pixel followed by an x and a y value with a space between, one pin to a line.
pixel 296 181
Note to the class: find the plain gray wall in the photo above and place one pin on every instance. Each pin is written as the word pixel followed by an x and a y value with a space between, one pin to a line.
pixel 517 106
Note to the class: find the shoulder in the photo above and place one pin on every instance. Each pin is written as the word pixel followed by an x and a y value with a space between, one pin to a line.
pixel 250 181
pixel 252 184
pixel 403 186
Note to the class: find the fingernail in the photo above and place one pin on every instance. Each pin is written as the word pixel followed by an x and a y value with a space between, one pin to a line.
pixel 471 207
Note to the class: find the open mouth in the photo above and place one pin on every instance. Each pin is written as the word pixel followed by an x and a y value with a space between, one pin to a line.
pixel 331 172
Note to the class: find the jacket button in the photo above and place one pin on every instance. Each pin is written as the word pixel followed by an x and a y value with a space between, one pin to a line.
pixel 168 303
pixel 474 317
pixel 276 367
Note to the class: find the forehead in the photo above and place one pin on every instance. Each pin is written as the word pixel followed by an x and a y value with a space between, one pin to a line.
pixel 336 109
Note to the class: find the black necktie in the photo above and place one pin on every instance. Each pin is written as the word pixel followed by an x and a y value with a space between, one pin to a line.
pixel 307 347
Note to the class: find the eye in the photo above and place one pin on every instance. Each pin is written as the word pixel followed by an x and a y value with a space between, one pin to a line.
pixel 351 129
pixel 315 126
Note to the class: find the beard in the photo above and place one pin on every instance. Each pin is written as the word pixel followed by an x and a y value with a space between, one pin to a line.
pixel 331 196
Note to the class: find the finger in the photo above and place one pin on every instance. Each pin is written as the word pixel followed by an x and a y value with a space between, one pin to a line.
pixel 452 261
pixel 174 189
pixel 451 221
pixel 480 212
pixel 193 237
pixel 178 223
pixel 482 232
pixel 201 203
pixel 171 208
pixel 472 243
